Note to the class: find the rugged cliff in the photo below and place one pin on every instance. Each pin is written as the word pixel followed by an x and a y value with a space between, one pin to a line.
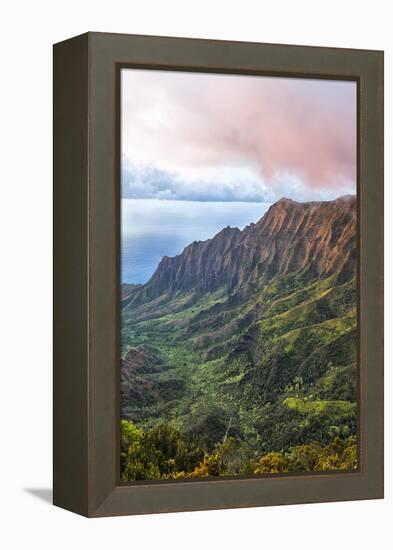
pixel 251 333
pixel 314 238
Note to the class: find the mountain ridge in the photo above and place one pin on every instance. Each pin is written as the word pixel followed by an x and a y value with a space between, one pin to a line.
pixel 249 337
pixel 289 237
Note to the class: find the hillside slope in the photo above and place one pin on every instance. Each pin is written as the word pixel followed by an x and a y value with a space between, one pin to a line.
pixel 251 334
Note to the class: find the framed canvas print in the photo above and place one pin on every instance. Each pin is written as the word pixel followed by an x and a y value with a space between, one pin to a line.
pixel 218 274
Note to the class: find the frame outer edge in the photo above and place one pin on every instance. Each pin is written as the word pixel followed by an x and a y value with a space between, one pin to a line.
pixel 106 498
pixel 70 268
pixel 371 274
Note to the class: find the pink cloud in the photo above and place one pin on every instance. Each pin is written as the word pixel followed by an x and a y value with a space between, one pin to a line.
pixel 190 123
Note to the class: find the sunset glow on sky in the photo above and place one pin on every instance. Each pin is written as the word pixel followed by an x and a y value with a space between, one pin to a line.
pixel 205 137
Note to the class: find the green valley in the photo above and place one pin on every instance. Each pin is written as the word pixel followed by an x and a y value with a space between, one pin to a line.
pixel 244 362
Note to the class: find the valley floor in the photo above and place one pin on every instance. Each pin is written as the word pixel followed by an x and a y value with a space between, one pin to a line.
pixel 256 376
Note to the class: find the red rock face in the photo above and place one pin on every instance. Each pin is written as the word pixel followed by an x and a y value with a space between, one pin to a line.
pixel 315 238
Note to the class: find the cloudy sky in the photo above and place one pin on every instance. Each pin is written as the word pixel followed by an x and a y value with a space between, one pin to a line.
pixel 204 137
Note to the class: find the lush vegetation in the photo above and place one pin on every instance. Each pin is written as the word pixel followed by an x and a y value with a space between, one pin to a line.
pixel 260 380
pixel 164 453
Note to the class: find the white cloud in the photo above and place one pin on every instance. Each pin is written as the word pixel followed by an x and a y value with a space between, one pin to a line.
pixel 223 137
pixel 230 184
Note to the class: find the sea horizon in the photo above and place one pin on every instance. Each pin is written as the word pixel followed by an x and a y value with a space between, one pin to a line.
pixel 153 228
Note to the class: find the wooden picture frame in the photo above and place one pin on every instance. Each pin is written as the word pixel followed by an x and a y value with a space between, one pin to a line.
pixel 86 272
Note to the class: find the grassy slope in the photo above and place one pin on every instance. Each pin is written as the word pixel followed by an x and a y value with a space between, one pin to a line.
pixel 262 365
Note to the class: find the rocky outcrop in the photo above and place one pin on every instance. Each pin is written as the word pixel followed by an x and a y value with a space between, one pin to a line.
pixel 314 238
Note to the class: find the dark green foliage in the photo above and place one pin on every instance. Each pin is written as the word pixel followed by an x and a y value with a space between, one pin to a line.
pixel 163 453
pixel 208 424
pixel 341 351
pixel 156 454
pixel 231 376
pixel 339 383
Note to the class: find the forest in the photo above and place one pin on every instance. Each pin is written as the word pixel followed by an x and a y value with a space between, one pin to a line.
pixel 163 453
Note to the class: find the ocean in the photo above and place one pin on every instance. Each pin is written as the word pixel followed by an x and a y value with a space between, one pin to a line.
pixel 152 228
